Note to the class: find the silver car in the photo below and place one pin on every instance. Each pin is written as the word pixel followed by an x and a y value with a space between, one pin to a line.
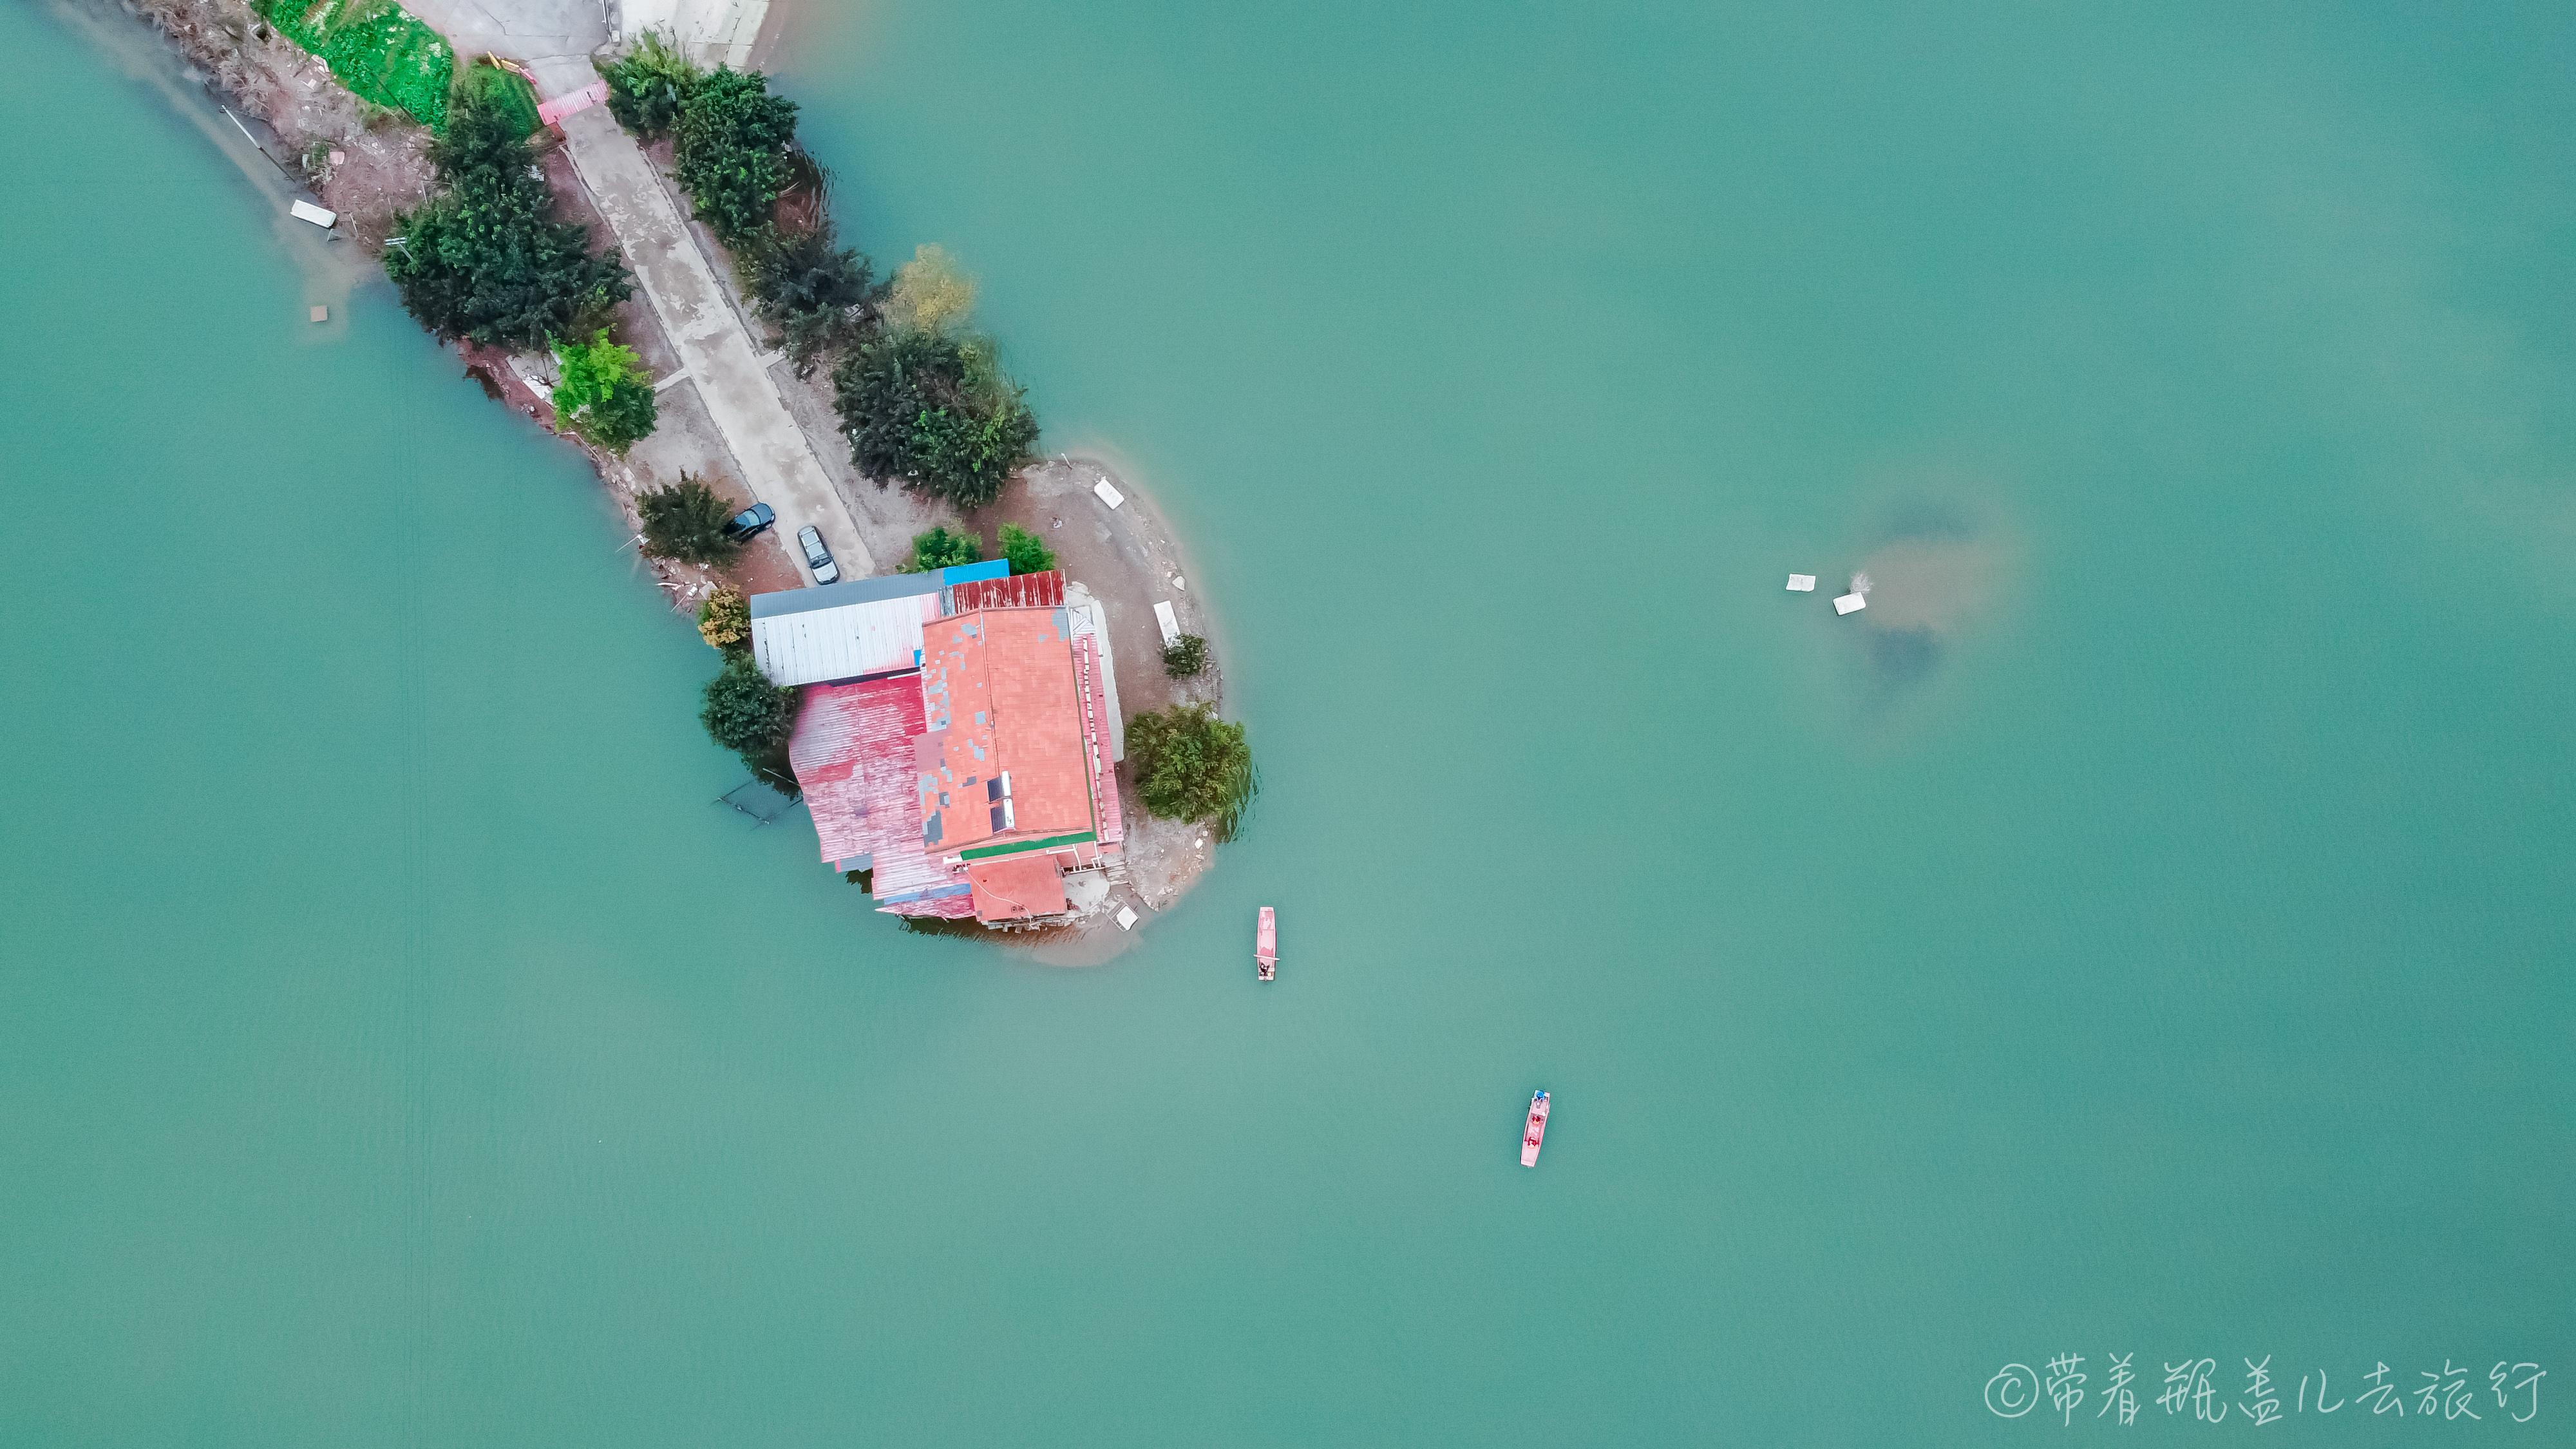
pixel 817 557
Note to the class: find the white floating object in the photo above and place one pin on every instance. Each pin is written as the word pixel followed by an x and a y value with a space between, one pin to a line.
pixel 307 211
pixel 1170 621
pixel 1802 583
pixel 1850 604
pixel 1108 495
pixel 1126 918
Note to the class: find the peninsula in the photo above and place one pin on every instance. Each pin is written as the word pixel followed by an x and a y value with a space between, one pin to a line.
pixel 621 235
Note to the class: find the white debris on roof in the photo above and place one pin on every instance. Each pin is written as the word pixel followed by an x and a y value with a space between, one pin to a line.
pixel 1108 495
pixel 1850 604
pixel 307 211
pixel 1802 583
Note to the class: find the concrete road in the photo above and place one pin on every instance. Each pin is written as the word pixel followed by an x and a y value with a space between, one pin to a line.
pixel 723 362
pixel 554 38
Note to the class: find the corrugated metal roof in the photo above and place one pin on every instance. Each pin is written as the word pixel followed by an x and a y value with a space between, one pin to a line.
pixel 991 568
pixel 1020 591
pixel 852 641
pixel 853 591
pixel 1109 818
pixel 852 752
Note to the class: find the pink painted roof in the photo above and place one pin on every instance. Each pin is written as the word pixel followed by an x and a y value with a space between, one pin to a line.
pixel 852 751
pixel 853 754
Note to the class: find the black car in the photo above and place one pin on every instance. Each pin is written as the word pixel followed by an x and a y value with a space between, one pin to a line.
pixel 750 521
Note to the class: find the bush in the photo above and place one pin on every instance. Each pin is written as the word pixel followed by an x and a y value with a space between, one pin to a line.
pixel 724 620
pixel 686 521
pixel 604 395
pixel 1028 553
pixel 487 87
pixel 1185 656
pixel 1190 765
pixel 931 293
pixel 480 259
pixel 817 294
pixel 649 86
pixel 744 712
pixel 380 53
pixel 733 139
pixel 940 549
pixel 935 412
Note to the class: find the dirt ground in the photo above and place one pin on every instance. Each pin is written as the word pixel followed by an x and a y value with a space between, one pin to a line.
pixel 362 162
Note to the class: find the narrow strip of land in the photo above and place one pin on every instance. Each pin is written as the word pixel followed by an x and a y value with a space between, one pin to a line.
pixel 718 353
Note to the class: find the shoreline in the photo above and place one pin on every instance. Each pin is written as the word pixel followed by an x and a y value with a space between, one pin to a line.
pixel 369 169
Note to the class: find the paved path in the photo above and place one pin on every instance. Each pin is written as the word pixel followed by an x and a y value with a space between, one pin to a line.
pixel 722 361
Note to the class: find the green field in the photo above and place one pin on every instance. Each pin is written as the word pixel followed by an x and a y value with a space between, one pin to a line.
pixel 376 49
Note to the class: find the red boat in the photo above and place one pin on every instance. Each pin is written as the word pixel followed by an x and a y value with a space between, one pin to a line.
pixel 1265 945
pixel 1536 1132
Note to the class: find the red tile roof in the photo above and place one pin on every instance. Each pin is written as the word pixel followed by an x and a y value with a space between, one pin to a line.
pixel 1016 886
pixel 999 689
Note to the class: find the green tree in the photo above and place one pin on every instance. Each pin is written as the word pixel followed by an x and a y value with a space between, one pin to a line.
pixel 818 295
pixel 733 140
pixel 1190 765
pixel 649 86
pixel 604 394
pixel 940 549
pixel 481 259
pixel 1185 656
pixel 931 293
pixel 934 411
pixel 485 86
pixel 686 521
pixel 744 712
pixel 1028 553
pixel 724 619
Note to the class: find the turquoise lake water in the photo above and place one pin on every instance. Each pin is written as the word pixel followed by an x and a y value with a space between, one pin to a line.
pixel 2145 930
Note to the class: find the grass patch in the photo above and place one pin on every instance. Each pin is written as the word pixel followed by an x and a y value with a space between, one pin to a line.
pixel 501 93
pixel 378 51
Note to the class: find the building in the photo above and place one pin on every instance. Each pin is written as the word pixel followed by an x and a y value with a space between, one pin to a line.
pixel 958 738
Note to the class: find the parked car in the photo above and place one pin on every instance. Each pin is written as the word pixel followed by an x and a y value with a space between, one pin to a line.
pixel 754 519
pixel 817 557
